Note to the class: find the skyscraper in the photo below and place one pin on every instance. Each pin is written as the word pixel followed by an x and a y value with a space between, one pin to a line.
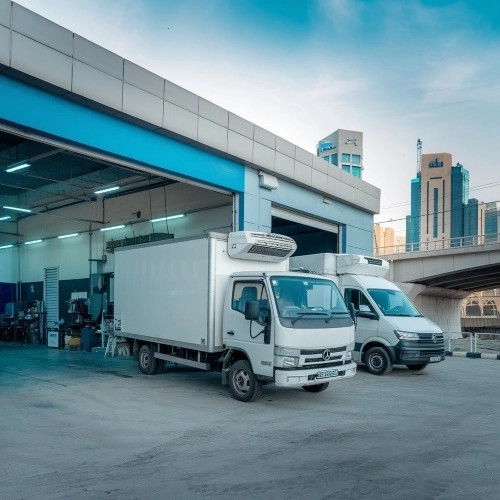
pixel 441 213
pixel 344 149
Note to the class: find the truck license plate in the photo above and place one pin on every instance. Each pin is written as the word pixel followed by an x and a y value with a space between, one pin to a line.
pixel 327 373
pixel 435 359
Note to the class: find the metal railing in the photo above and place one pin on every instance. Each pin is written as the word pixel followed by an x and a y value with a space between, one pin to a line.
pixel 477 342
pixel 428 246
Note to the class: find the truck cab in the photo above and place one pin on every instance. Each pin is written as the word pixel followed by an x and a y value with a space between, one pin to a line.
pixel 292 329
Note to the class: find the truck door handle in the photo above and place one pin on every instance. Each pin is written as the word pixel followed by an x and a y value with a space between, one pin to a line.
pixel 230 333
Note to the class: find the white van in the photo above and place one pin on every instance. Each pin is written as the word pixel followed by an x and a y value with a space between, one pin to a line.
pixel 389 328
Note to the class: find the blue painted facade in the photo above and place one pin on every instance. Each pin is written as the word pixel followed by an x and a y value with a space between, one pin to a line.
pixel 53 116
pixel 356 226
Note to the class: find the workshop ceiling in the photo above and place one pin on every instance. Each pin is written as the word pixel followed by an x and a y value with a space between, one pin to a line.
pixel 59 177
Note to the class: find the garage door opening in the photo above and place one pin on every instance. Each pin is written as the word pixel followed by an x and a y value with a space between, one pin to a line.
pixel 66 207
pixel 310 240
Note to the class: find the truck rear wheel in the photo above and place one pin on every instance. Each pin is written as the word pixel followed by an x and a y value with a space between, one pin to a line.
pixel 147 361
pixel 417 368
pixel 316 388
pixel 378 361
pixel 243 384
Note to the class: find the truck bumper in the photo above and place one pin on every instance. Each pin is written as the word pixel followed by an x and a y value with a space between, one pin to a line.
pixel 417 355
pixel 290 378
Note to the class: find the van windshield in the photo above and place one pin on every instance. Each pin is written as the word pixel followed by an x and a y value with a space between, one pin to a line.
pixel 298 297
pixel 393 302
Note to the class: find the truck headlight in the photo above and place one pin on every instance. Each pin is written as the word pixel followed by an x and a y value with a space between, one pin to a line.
pixel 406 335
pixel 286 351
pixel 290 362
pixel 348 356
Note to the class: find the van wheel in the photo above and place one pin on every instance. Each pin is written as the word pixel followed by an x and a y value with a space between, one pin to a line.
pixel 378 361
pixel 316 388
pixel 417 368
pixel 147 361
pixel 243 384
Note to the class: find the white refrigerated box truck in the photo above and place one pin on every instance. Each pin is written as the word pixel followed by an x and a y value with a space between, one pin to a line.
pixel 389 328
pixel 228 303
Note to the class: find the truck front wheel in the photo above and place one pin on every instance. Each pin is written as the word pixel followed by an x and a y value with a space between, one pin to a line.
pixel 147 361
pixel 378 361
pixel 243 384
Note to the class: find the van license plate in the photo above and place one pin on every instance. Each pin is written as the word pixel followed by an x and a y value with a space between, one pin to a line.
pixel 327 373
pixel 435 359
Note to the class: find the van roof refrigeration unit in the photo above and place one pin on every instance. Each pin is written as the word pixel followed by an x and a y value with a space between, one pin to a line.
pixel 269 247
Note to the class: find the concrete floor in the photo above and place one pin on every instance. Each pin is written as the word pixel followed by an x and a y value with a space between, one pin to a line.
pixel 75 425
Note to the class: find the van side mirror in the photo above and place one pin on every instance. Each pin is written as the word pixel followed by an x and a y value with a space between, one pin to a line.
pixel 352 312
pixel 366 314
pixel 252 310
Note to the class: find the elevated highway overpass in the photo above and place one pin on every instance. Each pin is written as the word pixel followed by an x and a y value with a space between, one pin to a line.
pixel 438 280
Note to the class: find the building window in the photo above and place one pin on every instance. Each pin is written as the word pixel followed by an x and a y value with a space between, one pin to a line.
pixel 356 171
pixel 335 160
pixel 435 214
pixel 356 159
pixel 346 157
pixel 346 168
pixel 326 158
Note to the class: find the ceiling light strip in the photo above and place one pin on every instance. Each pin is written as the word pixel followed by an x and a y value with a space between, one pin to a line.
pixel 17 208
pixel 112 228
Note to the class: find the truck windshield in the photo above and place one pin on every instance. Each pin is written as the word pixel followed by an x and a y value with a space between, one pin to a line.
pixel 311 298
pixel 393 302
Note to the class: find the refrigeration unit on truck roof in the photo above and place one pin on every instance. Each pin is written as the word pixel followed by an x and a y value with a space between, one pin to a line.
pixel 360 264
pixel 254 245
pixel 335 264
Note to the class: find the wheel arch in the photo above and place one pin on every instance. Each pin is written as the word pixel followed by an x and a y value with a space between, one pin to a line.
pixel 376 343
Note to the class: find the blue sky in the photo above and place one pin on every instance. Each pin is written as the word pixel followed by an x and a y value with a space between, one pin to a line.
pixel 397 70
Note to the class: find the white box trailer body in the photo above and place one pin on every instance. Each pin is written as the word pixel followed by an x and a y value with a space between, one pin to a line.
pixel 182 301
pixel 389 328
pixel 175 291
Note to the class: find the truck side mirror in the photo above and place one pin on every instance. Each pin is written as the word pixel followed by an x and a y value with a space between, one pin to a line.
pixel 252 310
pixel 367 314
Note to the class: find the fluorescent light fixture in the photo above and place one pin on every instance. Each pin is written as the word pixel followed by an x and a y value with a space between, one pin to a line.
pixel 106 190
pixel 6 246
pixel 5 217
pixel 113 227
pixel 18 166
pixel 168 218
pixel 68 235
pixel 31 242
pixel 16 208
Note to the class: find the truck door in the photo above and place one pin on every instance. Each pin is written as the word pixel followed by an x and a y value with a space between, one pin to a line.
pixel 366 318
pixel 249 336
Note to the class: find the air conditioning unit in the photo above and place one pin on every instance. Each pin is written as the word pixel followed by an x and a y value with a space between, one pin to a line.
pixel 252 245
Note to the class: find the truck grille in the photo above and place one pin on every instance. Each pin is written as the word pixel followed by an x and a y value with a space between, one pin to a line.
pixel 310 352
pixel 326 365
pixel 320 359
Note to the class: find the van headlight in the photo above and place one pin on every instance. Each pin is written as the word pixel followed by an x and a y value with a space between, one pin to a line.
pixel 348 356
pixel 290 362
pixel 406 335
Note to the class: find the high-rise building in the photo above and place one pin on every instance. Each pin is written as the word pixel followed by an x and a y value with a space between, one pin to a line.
pixel 413 220
pixel 441 213
pixel 344 149
pixel 492 222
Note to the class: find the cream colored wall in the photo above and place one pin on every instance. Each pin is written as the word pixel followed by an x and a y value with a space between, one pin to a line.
pixel 427 174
